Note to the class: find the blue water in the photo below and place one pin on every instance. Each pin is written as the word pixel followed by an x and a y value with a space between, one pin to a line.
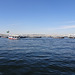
pixel 37 56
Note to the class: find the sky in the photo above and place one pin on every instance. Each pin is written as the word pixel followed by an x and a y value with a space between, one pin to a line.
pixel 37 16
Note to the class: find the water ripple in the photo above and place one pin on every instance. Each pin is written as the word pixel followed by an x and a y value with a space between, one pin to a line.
pixel 37 56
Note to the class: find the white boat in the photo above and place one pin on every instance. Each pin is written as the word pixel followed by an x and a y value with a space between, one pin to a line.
pixel 13 37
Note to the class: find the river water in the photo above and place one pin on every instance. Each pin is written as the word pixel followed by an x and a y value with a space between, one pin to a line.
pixel 37 56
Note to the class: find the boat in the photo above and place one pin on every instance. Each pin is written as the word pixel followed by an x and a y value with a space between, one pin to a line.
pixel 13 37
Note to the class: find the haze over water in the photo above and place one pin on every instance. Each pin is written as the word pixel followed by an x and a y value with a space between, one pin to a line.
pixel 37 56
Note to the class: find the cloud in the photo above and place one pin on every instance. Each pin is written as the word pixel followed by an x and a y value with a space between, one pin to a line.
pixel 62 27
pixel 67 27
pixel 70 22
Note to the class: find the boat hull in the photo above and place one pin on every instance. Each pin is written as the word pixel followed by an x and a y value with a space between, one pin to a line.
pixel 13 38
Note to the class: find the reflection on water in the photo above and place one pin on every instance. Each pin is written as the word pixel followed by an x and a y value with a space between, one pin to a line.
pixel 37 56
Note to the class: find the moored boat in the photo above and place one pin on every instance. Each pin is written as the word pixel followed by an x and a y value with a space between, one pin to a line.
pixel 13 37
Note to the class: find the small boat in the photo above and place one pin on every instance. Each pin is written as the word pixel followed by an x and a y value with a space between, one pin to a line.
pixel 13 37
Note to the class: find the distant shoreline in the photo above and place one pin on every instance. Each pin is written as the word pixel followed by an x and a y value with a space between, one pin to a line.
pixel 38 36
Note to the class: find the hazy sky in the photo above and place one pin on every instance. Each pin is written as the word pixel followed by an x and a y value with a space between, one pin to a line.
pixel 37 16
